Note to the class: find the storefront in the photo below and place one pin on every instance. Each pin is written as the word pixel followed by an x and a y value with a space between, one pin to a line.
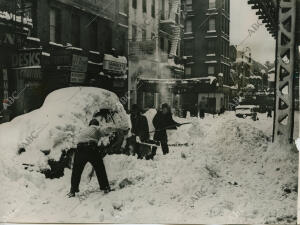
pixel 26 80
pixel 181 94
pixel 67 67
pixel 12 37
pixel 115 68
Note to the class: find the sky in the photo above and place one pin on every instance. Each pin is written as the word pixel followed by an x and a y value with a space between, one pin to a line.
pixel 261 43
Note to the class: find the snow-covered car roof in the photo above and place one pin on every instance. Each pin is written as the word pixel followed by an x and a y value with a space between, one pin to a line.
pixel 246 107
pixel 56 125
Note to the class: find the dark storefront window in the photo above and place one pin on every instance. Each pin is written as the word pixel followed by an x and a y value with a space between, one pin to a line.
pixel 134 3
pixel 149 100
pixel 55 27
pixel 211 45
pixel 75 30
pixel 122 45
pixel 134 32
pixel 162 43
pixel 144 6
pixel 94 35
pixel 144 34
pixel 169 46
pixel 108 38
pixel 153 9
pixel 189 48
pixel 162 2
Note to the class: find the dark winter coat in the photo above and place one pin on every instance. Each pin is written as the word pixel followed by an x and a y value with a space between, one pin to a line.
pixel 140 127
pixel 161 123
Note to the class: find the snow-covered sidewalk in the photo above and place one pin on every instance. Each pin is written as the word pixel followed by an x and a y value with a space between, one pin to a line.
pixel 229 173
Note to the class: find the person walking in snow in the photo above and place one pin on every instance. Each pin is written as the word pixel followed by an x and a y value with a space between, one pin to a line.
pixel 269 112
pixel 140 130
pixel 162 121
pixel 88 151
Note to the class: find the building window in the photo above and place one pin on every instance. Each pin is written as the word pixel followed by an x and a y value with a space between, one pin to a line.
pixel 162 44
pixel 123 6
pixel 153 9
pixel 188 70
pixel 188 26
pixel 169 46
pixel 188 48
pixel 212 24
pixel 162 7
pixel 211 70
pixel 211 46
pixel 227 6
pixel 144 34
pixel 212 4
pixel 75 30
pixel 93 35
pixel 134 32
pixel 189 5
pixel 144 6
pixel 55 32
pixel 134 4
pixel 122 43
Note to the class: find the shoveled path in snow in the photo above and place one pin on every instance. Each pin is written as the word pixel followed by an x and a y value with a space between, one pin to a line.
pixel 229 173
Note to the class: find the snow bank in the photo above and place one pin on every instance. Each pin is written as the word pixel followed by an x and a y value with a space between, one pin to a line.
pixel 56 125
pixel 229 173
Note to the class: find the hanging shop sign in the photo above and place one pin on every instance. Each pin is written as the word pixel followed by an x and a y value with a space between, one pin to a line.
pixel 77 78
pixel 115 64
pixel 9 39
pixel 79 63
pixel 71 62
pixel 28 73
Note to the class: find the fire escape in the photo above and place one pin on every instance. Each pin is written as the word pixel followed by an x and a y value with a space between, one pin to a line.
pixel 171 26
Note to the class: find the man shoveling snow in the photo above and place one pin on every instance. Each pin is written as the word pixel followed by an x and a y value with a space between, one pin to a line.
pixel 88 151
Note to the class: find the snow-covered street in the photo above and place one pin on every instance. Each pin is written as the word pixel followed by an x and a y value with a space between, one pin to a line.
pixel 229 172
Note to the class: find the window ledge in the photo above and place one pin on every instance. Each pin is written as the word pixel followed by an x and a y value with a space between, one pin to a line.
pixel 123 14
pixel 211 31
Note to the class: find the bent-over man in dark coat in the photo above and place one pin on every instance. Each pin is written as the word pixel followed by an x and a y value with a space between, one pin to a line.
pixel 162 121
pixel 140 129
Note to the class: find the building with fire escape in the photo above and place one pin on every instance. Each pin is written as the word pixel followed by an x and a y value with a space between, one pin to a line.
pixel 72 42
pixel 154 51
pixel 206 49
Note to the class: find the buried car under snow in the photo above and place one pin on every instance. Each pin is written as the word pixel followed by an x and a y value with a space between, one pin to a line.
pixel 43 139
pixel 244 111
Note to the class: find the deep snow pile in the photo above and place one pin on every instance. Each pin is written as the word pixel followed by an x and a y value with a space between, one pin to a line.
pixel 229 173
pixel 55 126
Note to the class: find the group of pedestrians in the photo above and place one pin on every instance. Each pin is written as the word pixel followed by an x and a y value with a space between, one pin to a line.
pixel 90 149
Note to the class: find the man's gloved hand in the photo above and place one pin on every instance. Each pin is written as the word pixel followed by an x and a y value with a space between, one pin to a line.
pixel 138 140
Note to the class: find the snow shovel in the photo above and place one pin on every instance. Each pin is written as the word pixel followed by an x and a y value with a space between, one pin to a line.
pixel 165 128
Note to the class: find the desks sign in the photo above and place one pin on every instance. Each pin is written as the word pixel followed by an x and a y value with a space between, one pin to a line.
pixel 24 59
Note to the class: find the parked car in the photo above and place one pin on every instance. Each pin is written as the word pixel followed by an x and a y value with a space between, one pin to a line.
pixel 244 111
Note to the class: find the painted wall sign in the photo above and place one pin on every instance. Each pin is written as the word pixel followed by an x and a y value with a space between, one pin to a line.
pixel 77 78
pixel 28 74
pixel 79 63
pixel 26 59
pixel 115 64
